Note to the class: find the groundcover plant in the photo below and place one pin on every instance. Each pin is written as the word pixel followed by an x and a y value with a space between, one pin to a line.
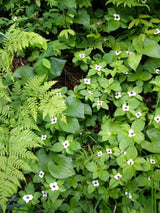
pixel 80 106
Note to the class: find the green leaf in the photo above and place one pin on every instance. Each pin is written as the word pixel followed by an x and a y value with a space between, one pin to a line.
pixel 57 66
pixel 75 108
pixel 128 172
pixel 91 166
pixel 46 63
pixel 113 25
pixel 61 167
pixel 24 73
pixel 134 60
pixel 151 48
pixel 82 18
pixel 71 126
pixel 38 3
pixel 138 125
pixel 57 147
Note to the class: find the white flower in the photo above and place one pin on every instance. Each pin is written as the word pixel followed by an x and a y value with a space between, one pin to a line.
pixel 99 153
pixel 117 176
pixel 116 17
pixel 97 67
pixel 158 31
pixel 27 198
pixel 117 52
pixel 109 151
pixel 95 182
pixel 157 118
pixel 128 195
pixel 109 133
pixel 58 93
pixel 87 81
pixel 123 152
pixel 99 103
pixel 43 137
pixel 41 174
pixel 118 95
pixel 132 93
pixel 138 114
pixel 90 93
pixel 54 186
pixel 149 178
pixel 44 194
pixel 157 71
pixel 125 107
pixel 54 120
pixel 82 55
pixel 128 52
pixel 130 162
pixel 131 133
pixel 152 161
pixel 143 1
pixel 15 18
pixel 125 73
pixel 66 144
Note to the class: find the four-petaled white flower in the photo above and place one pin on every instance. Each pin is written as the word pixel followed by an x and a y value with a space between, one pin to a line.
pixel 54 186
pixel 99 153
pixel 95 183
pixel 118 95
pixel 132 93
pixel 99 103
pixel 131 133
pixel 15 18
pixel 90 93
pixel 125 107
pixel 58 93
pixel 44 194
pixel 43 137
pixel 152 161
pixel 27 198
pixel 54 120
pixel 117 176
pixel 158 31
pixel 157 71
pixel 117 52
pixel 66 144
pixel 125 73
pixel 109 151
pixel 143 1
pixel 82 55
pixel 97 67
pixel 157 118
pixel 128 195
pixel 138 114
pixel 116 17
pixel 130 162
pixel 41 174
pixel 87 81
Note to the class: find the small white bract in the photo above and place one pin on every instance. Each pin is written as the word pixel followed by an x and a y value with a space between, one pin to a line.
pixel 54 186
pixel 152 161
pixel 109 151
pixel 99 103
pixel 157 71
pixel 109 133
pixel 118 95
pixel 138 114
pixel 15 18
pixel 54 120
pixel 66 144
pixel 149 178
pixel 90 93
pixel 87 81
pixel 123 152
pixel 43 137
pixel 116 17
pixel 128 195
pixel 95 183
pixel 27 198
pixel 99 153
pixel 125 107
pixel 44 194
pixel 143 1
pixel 82 55
pixel 132 93
pixel 128 52
pixel 157 118
pixel 58 93
pixel 41 174
pixel 97 67
pixel 117 176
pixel 130 162
pixel 117 52
pixel 125 73
pixel 158 31
pixel 131 133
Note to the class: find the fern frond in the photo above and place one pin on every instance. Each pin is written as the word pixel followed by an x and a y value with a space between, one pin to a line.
pixel 129 3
